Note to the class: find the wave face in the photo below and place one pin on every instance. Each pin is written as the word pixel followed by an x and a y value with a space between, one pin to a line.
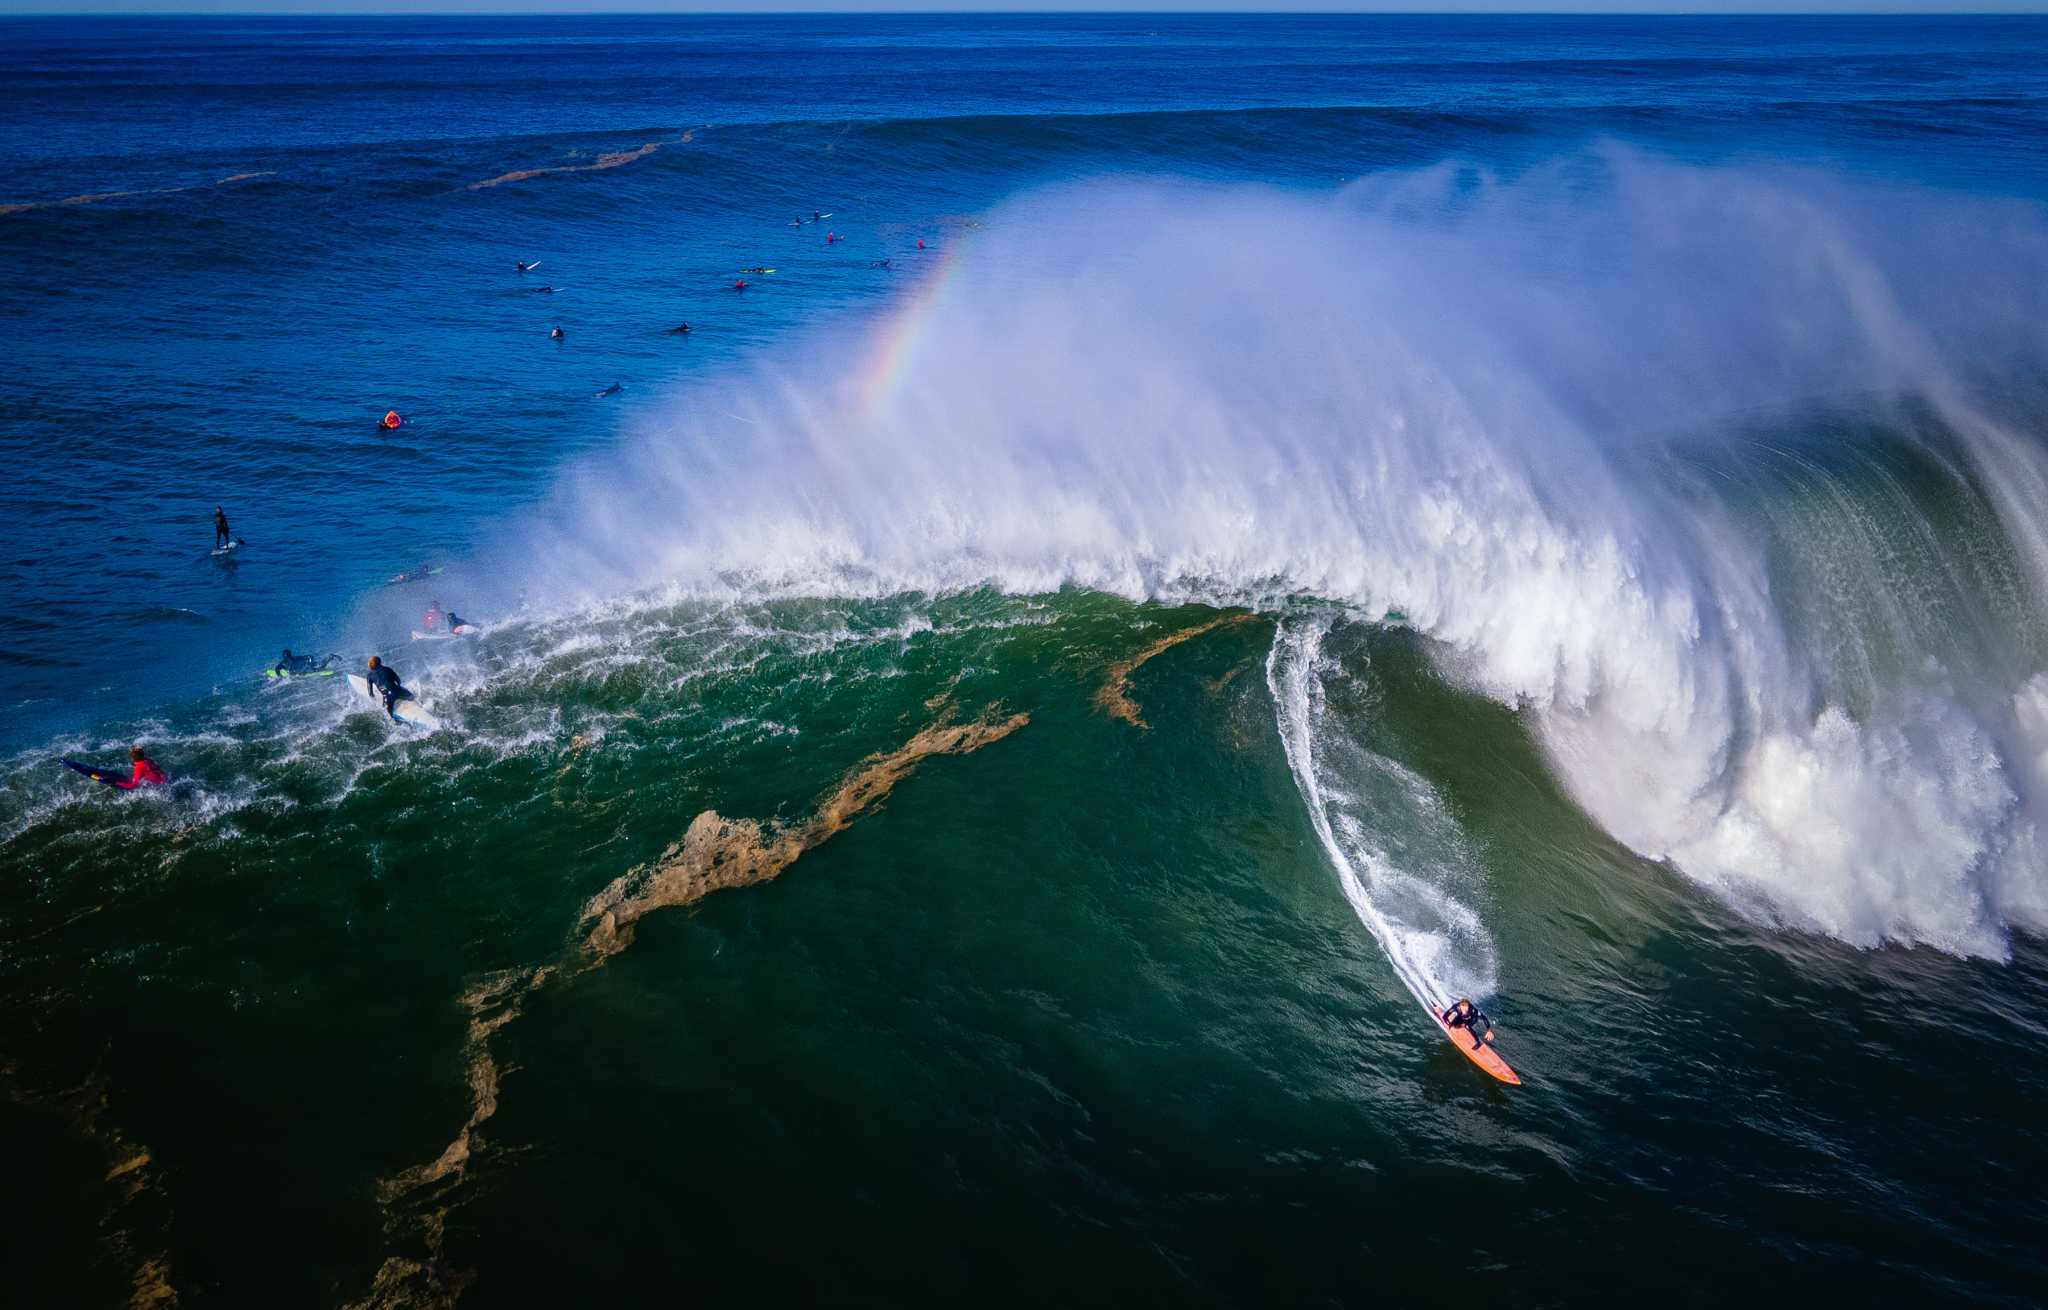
pixel 1722 476
pixel 1357 801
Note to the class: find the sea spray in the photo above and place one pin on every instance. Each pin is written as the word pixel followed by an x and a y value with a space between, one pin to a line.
pixel 1511 406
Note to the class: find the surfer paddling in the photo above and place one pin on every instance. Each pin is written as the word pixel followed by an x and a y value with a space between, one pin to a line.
pixel 289 663
pixel 144 773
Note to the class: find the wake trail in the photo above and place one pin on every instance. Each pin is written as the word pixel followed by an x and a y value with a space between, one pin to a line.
pixel 1438 946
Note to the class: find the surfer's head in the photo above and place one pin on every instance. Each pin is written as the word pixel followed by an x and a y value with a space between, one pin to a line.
pixel 376 663
pixel 1464 1004
pixel 135 753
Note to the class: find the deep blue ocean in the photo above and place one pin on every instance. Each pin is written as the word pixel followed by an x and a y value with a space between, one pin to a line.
pixel 1293 515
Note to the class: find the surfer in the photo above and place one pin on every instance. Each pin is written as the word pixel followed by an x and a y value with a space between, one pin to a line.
pixel 1471 1018
pixel 526 267
pixel 391 422
pixel 220 528
pixel 612 390
pixel 555 335
pixel 383 680
pixel 431 620
pixel 680 330
pixel 290 663
pixel 739 284
pixel 145 774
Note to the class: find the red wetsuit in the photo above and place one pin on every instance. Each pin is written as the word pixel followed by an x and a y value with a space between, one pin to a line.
pixel 145 772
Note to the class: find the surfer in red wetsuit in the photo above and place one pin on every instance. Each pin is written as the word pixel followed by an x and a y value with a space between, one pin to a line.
pixel 1471 1018
pixel 145 772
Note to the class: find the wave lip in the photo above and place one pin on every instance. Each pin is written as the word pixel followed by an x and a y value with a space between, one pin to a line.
pixel 1579 424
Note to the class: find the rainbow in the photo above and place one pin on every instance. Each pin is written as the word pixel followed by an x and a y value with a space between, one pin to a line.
pixel 902 334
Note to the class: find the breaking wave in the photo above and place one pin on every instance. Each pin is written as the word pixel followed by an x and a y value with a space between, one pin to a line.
pixel 1726 478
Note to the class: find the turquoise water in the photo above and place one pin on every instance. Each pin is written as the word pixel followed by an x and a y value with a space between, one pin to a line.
pixel 973 760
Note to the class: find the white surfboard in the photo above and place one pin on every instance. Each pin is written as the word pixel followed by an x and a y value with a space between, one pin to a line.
pixel 407 709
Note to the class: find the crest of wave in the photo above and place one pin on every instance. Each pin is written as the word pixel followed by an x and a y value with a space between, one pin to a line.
pixel 1451 393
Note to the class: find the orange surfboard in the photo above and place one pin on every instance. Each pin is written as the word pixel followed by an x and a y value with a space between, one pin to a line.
pixel 1484 1057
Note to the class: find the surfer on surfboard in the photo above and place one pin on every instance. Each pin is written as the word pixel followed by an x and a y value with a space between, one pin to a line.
pixel 144 774
pixel 290 663
pixel 1471 1018
pixel 383 680
pixel 221 538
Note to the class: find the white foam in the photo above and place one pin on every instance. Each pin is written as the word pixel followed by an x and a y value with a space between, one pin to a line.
pixel 1461 396
pixel 1437 944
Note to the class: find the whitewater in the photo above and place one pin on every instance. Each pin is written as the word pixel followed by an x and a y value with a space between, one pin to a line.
pixel 1627 439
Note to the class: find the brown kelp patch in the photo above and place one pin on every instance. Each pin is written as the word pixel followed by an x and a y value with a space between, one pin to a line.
pixel 101 196
pixel 713 854
pixel 717 852
pixel 135 1215
pixel 1114 696
pixel 609 159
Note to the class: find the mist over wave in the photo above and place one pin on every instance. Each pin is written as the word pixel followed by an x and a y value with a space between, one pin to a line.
pixel 1726 476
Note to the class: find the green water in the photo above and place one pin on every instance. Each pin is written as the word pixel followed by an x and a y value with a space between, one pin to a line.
pixel 1078 1016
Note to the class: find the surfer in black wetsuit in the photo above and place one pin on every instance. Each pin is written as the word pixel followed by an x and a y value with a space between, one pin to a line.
pixel 290 663
pixel 1471 1018
pixel 556 334
pixel 220 528
pixel 383 680
pixel 680 330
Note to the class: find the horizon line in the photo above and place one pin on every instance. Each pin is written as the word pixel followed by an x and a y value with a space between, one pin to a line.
pixel 826 8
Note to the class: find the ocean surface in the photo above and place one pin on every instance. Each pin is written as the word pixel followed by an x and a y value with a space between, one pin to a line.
pixel 1213 534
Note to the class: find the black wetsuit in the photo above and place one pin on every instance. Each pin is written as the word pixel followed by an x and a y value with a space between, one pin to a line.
pixel 220 529
pixel 1476 1022
pixel 384 681
pixel 290 663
